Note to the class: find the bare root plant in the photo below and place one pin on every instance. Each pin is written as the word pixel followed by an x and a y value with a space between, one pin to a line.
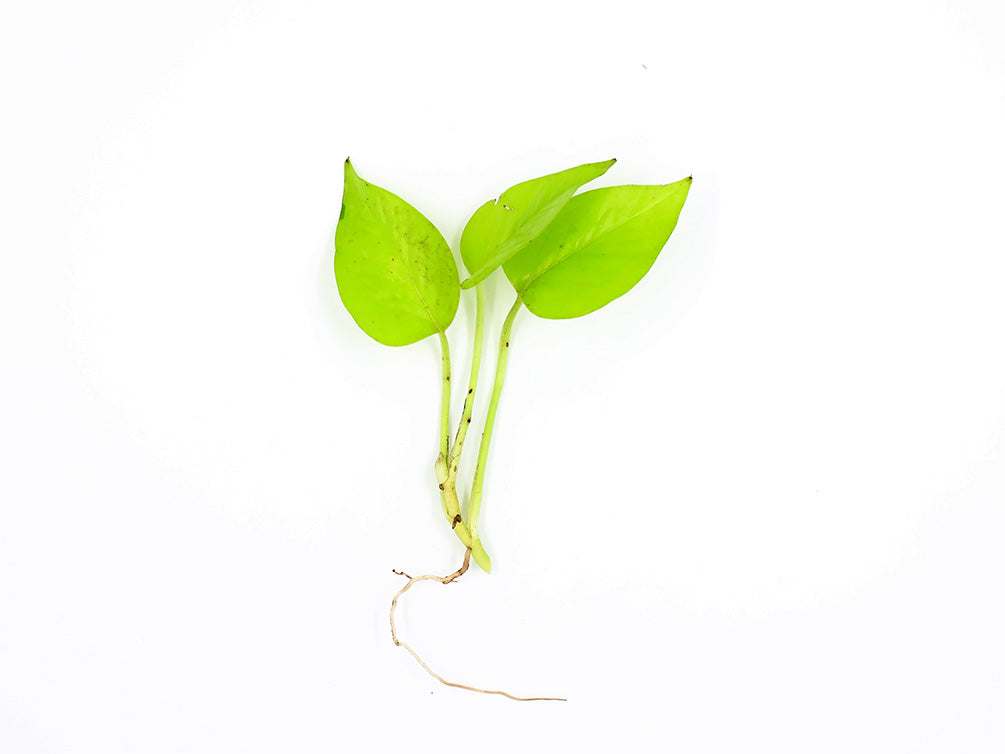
pixel 566 254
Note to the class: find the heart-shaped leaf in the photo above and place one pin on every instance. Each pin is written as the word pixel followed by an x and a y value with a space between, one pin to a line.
pixel 395 273
pixel 598 247
pixel 500 228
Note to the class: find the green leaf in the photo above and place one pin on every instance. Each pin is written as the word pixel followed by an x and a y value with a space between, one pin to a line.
pixel 502 227
pixel 599 246
pixel 395 273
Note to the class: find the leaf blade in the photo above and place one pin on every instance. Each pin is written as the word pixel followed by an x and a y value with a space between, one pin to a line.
pixel 601 244
pixel 503 227
pixel 395 272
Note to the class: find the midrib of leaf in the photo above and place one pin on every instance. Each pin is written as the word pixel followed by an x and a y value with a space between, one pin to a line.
pixel 591 241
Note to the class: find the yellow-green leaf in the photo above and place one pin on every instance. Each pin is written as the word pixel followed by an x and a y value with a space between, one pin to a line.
pixel 597 248
pixel 395 273
pixel 502 227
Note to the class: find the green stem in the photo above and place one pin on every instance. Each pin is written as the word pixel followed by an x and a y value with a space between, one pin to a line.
pixel 474 508
pixel 449 459
pixel 476 360
pixel 445 397
pixel 448 493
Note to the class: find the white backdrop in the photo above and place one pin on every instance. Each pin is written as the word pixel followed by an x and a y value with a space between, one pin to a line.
pixel 755 505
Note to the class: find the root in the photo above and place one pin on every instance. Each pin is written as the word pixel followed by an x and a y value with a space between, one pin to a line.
pixel 446 580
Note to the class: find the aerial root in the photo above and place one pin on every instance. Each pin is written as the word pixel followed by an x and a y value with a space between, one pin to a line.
pixel 446 580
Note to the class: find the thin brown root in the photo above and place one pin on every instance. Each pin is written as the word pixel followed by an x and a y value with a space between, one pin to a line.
pixel 446 580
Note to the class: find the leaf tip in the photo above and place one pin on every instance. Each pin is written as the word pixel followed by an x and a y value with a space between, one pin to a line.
pixel 677 183
pixel 605 165
pixel 465 284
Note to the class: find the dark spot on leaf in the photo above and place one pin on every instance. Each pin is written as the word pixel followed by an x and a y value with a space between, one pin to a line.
pixel 457 520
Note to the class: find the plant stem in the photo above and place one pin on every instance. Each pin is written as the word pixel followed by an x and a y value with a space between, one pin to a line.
pixel 474 508
pixel 448 460
pixel 448 493
pixel 445 397
pixel 476 359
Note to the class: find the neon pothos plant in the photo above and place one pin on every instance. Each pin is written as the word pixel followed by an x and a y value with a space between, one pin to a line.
pixel 565 254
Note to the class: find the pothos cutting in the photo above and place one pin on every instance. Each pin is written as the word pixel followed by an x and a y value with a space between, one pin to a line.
pixel 565 255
